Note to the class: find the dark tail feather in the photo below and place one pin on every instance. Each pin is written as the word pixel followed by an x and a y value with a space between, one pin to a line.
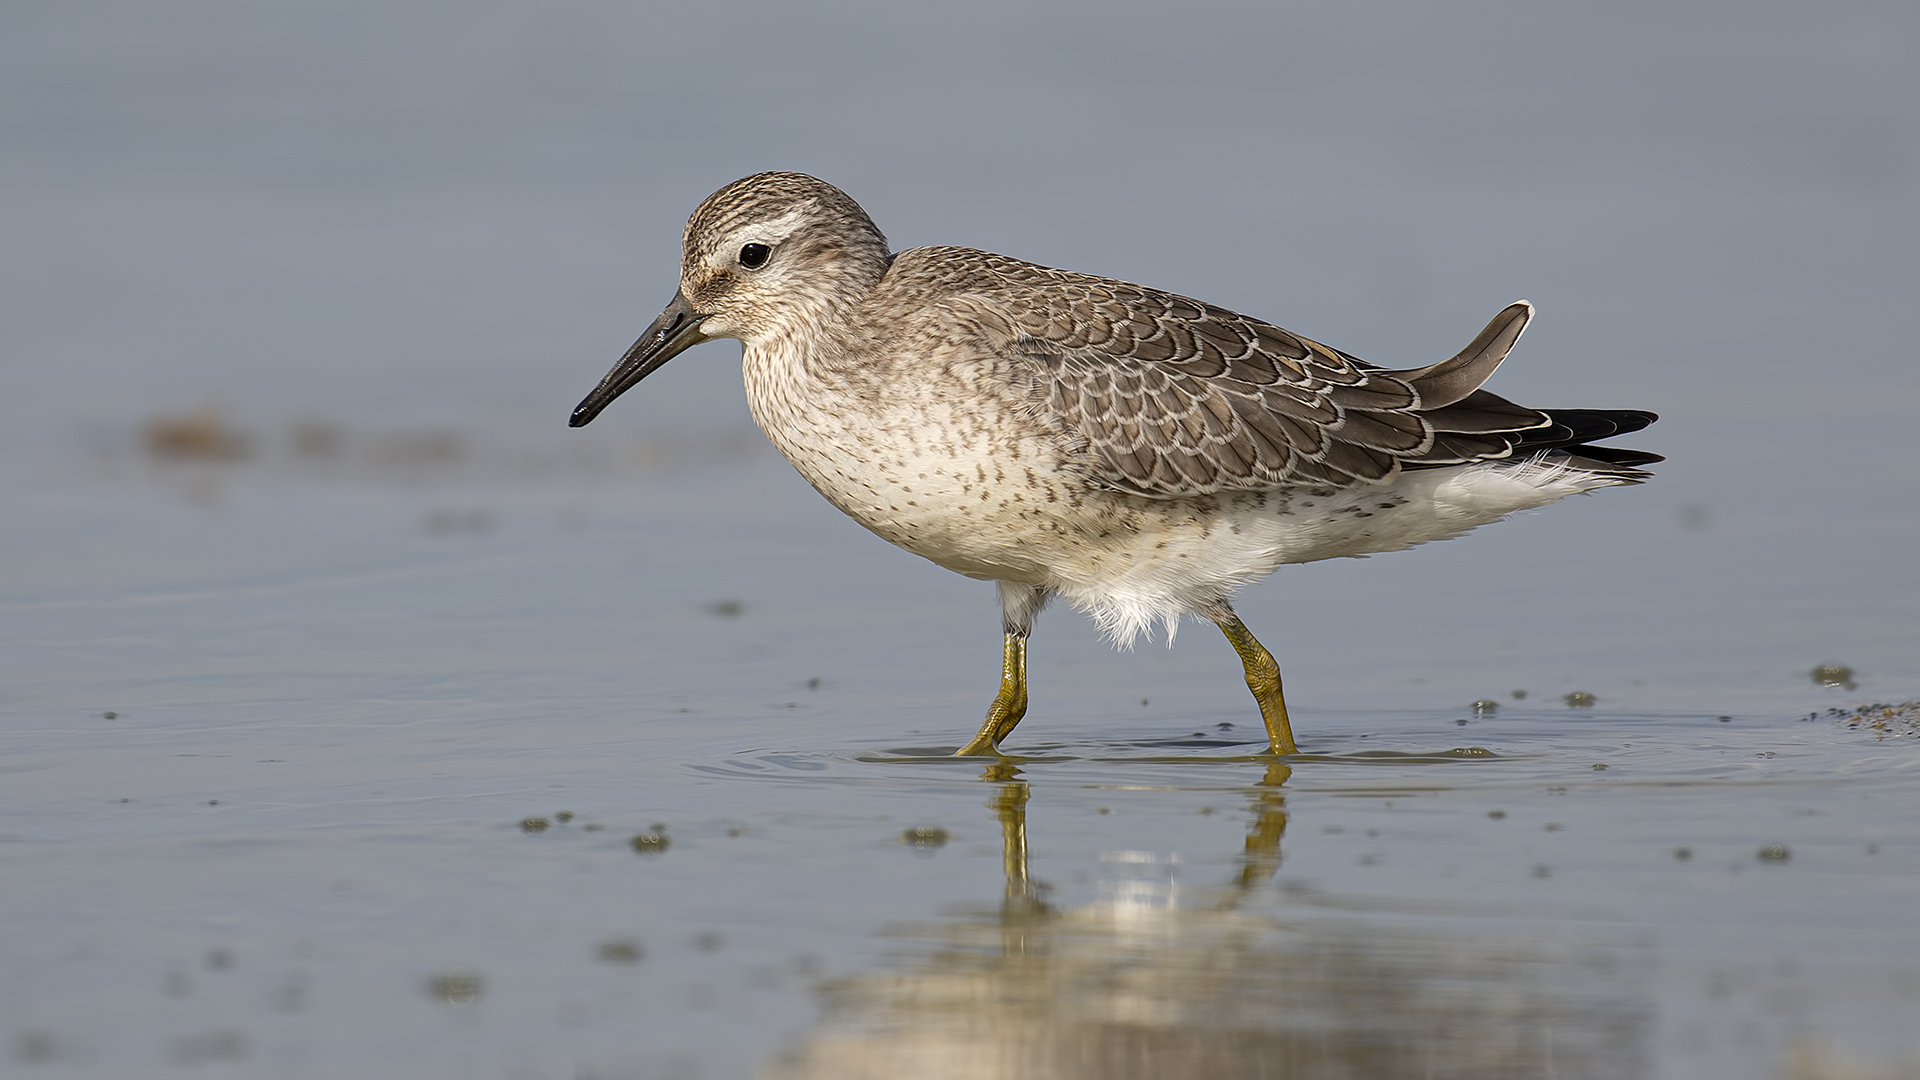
pixel 1573 427
pixel 1473 430
pixel 1574 431
pixel 1614 455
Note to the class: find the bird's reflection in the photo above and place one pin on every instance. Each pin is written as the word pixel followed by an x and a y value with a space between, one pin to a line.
pixel 1125 988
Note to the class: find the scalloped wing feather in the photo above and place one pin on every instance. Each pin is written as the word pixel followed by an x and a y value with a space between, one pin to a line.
pixel 1162 395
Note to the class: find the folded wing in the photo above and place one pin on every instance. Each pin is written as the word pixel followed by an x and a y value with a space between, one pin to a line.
pixel 1161 395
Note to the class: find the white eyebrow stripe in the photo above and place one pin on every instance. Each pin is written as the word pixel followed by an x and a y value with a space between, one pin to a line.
pixel 774 230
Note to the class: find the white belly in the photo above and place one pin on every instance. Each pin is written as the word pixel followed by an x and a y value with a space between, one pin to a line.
pixel 987 496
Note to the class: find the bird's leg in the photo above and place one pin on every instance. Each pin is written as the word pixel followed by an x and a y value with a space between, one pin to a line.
pixel 1263 678
pixel 1009 705
pixel 1018 605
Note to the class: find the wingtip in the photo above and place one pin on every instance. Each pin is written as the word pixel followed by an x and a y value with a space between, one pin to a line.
pixel 1450 381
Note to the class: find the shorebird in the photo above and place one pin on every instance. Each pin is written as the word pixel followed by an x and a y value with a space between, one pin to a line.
pixel 1138 453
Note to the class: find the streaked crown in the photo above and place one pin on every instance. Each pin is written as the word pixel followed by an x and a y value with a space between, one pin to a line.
pixel 776 249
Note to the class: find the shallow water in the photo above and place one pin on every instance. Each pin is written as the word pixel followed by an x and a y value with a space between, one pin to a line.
pixel 368 801
pixel 359 720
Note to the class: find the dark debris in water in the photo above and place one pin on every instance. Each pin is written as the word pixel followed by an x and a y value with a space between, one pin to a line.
pixel 310 445
pixel 925 837
pixel 1405 757
pixel 621 950
pixel 455 987
pixel 1885 721
pixel 1833 675
pixel 201 435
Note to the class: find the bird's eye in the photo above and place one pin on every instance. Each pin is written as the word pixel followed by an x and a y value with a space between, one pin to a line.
pixel 754 256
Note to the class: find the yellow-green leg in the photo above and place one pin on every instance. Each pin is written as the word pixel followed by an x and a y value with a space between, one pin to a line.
pixel 1009 705
pixel 1263 678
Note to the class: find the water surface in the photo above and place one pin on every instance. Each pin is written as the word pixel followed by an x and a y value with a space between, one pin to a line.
pixel 357 719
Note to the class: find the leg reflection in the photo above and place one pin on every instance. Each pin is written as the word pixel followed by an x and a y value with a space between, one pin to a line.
pixel 1269 808
pixel 1021 904
pixel 1114 990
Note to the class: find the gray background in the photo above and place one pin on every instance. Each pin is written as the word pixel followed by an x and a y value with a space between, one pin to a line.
pixel 391 245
